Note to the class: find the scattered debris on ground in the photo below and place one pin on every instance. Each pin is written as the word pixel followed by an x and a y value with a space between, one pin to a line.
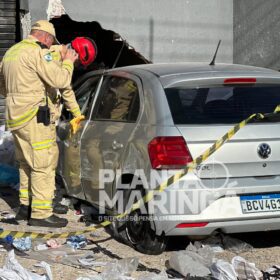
pixel 13 270
pixel 97 256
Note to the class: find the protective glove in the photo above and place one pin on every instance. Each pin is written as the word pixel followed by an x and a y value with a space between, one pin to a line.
pixel 75 124
pixel 277 109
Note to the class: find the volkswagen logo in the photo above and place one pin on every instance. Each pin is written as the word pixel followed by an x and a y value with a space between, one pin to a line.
pixel 264 150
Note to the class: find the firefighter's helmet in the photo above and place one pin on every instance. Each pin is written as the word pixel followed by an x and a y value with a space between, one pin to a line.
pixel 86 49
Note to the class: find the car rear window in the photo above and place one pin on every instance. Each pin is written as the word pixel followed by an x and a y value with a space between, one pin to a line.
pixel 220 105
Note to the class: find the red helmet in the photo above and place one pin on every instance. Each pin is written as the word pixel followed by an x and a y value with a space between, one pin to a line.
pixel 86 49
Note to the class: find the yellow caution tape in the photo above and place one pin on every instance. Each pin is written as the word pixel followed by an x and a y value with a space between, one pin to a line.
pixel 149 196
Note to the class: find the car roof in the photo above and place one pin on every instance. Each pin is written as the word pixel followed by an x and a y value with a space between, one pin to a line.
pixel 163 70
pixel 166 69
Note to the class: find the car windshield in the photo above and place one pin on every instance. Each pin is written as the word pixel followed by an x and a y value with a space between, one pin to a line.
pixel 221 105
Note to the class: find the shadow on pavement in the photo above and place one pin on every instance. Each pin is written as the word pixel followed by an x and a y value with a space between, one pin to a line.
pixel 265 239
pixel 10 196
pixel 258 240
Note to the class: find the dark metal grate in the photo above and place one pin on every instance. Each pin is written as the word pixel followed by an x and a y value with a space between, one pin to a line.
pixel 8 20
pixel 7 25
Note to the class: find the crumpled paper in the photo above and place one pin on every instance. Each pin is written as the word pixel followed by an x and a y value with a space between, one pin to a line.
pixel 121 269
pixel 195 260
pixel 22 244
pixel 245 270
pixel 53 243
pixel 12 270
pixel 222 270
pixel 77 241
pixel 7 148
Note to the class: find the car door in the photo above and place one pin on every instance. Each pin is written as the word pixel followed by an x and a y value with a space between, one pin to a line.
pixel 104 140
pixel 69 145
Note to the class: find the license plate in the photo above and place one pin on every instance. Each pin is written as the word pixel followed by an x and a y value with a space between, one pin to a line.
pixel 260 203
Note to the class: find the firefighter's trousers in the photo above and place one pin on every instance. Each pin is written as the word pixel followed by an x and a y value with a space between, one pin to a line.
pixel 37 153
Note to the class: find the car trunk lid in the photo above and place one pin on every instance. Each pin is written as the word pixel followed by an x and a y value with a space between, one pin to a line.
pixel 203 115
pixel 253 151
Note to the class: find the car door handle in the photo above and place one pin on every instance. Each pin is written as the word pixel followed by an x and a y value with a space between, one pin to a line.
pixel 116 145
pixel 77 144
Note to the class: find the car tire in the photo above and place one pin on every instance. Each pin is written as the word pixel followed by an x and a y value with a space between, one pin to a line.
pixel 136 231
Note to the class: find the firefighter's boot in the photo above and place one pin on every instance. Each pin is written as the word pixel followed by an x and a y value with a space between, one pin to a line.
pixel 52 221
pixel 23 213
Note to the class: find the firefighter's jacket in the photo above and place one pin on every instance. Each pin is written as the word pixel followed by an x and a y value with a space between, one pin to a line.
pixel 67 94
pixel 29 72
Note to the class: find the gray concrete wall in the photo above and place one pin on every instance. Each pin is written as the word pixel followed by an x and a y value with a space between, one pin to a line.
pixel 257 33
pixel 162 30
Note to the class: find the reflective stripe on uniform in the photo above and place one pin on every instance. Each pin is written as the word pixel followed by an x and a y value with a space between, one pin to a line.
pixel 76 111
pixel 130 86
pixel 55 56
pixel 13 52
pixel 41 204
pixel 277 109
pixel 43 144
pixel 68 65
pixel 27 42
pixel 22 119
pixel 23 193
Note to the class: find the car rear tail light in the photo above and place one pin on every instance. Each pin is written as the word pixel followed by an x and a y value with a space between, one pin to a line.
pixel 239 81
pixel 191 225
pixel 169 153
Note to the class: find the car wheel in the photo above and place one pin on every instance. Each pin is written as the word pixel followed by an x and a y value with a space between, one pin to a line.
pixel 135 230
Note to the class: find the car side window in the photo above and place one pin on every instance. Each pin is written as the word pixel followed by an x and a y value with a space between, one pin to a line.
pixel 84 95
pixel 118 100
pixel 86 92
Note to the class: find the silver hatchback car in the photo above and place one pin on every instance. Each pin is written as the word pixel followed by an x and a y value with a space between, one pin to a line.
pixel 145 123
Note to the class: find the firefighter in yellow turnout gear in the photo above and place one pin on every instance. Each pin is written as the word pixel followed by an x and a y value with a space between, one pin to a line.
pixel 31 73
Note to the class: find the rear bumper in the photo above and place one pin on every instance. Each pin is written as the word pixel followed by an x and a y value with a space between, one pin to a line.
pixel 228 227
pixel 224 214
